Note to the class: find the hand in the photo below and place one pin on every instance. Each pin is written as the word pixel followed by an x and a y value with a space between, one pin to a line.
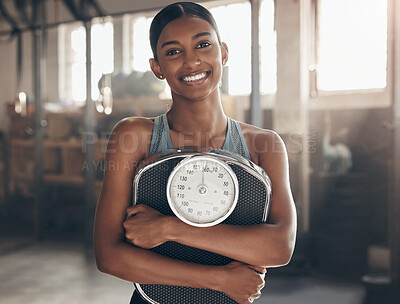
pixel 243 282
pixel 144 226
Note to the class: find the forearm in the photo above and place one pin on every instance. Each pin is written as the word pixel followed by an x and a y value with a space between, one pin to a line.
pixel 266 245
pixel 139 265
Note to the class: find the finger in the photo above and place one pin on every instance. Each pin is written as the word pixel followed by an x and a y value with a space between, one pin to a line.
pixel 235 263
pixel 256 296
pixel 129 210
pixel 133 210
pixel 259 269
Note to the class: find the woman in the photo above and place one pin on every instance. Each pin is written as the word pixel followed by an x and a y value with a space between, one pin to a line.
pixel 189 55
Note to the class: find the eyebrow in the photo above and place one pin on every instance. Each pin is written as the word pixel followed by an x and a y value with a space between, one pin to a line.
pixel 193 38
pixel 201 34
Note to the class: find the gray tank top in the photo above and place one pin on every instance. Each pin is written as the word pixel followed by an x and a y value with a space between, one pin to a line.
pixel 161 140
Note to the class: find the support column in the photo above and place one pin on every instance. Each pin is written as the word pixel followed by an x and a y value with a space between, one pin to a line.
pixel 119 41
pixel 88 145
pixel 394 203
pixel 256 114
pixel 39 78
pixel 290 112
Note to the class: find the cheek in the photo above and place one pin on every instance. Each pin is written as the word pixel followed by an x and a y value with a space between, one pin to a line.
pixel 217 62
pixel 212 59
pixel 215 54
pixel 169 68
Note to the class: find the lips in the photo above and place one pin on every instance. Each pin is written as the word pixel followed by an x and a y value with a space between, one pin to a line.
pixel 194 77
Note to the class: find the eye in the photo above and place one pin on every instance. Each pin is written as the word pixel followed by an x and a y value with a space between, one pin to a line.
pixel 172 52
pixel 202 45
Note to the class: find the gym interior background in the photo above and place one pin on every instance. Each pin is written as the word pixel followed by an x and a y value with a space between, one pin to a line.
pixel 324 74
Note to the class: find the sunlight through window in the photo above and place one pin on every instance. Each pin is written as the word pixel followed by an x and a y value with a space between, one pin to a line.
pixel 78 66
pixel 102 59
pixel 352 44
pixel 268 56
pixel 237 36
pixel 102 54
pixel 141 50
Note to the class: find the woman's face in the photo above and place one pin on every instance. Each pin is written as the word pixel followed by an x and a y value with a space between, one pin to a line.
pixel 190 57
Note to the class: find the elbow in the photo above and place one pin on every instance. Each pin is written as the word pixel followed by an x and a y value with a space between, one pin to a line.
pixel 287 249
pixel 105 254
pixel 104 260
pixel 103 264
pixel 285 257
pixel 282 257
pixel 113 261
pixel 102 267
pixel 281 254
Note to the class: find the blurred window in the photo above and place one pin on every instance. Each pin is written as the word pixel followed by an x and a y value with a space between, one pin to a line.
pixel 141 50
pixel 352 44
pixel 72 60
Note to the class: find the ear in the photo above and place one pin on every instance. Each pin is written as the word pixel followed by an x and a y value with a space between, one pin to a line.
pixel 155 67
pixel 224 53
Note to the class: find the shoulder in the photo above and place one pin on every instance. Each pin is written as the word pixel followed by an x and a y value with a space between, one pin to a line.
pixel 262 143
pixel 269 151
pixel 132 136
pixel 134 124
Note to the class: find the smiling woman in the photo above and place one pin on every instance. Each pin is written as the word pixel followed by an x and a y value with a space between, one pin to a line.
pixel 189 55
pixel 192 61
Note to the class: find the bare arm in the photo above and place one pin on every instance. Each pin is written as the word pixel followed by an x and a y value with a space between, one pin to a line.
pixel 113 254
pixel 118 258
pixel 267 245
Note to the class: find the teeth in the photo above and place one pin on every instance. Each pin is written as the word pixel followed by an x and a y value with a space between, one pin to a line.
pixel 195 77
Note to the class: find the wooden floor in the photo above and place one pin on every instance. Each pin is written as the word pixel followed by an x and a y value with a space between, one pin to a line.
pixel 61 273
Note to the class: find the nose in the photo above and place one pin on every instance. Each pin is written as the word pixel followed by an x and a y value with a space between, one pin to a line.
pixel 191 60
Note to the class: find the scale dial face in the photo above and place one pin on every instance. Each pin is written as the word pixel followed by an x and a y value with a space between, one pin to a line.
pixel 202 191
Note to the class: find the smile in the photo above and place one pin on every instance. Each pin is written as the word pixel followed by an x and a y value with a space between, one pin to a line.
pixel 193 78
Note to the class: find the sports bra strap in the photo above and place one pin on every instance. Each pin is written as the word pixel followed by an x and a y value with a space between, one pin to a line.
pixel 157 135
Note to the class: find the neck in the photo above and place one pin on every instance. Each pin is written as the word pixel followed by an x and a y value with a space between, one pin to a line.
pixel 197 116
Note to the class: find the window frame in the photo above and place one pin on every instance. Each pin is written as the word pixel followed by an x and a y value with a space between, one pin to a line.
pixel 128 25
pixel 65 61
